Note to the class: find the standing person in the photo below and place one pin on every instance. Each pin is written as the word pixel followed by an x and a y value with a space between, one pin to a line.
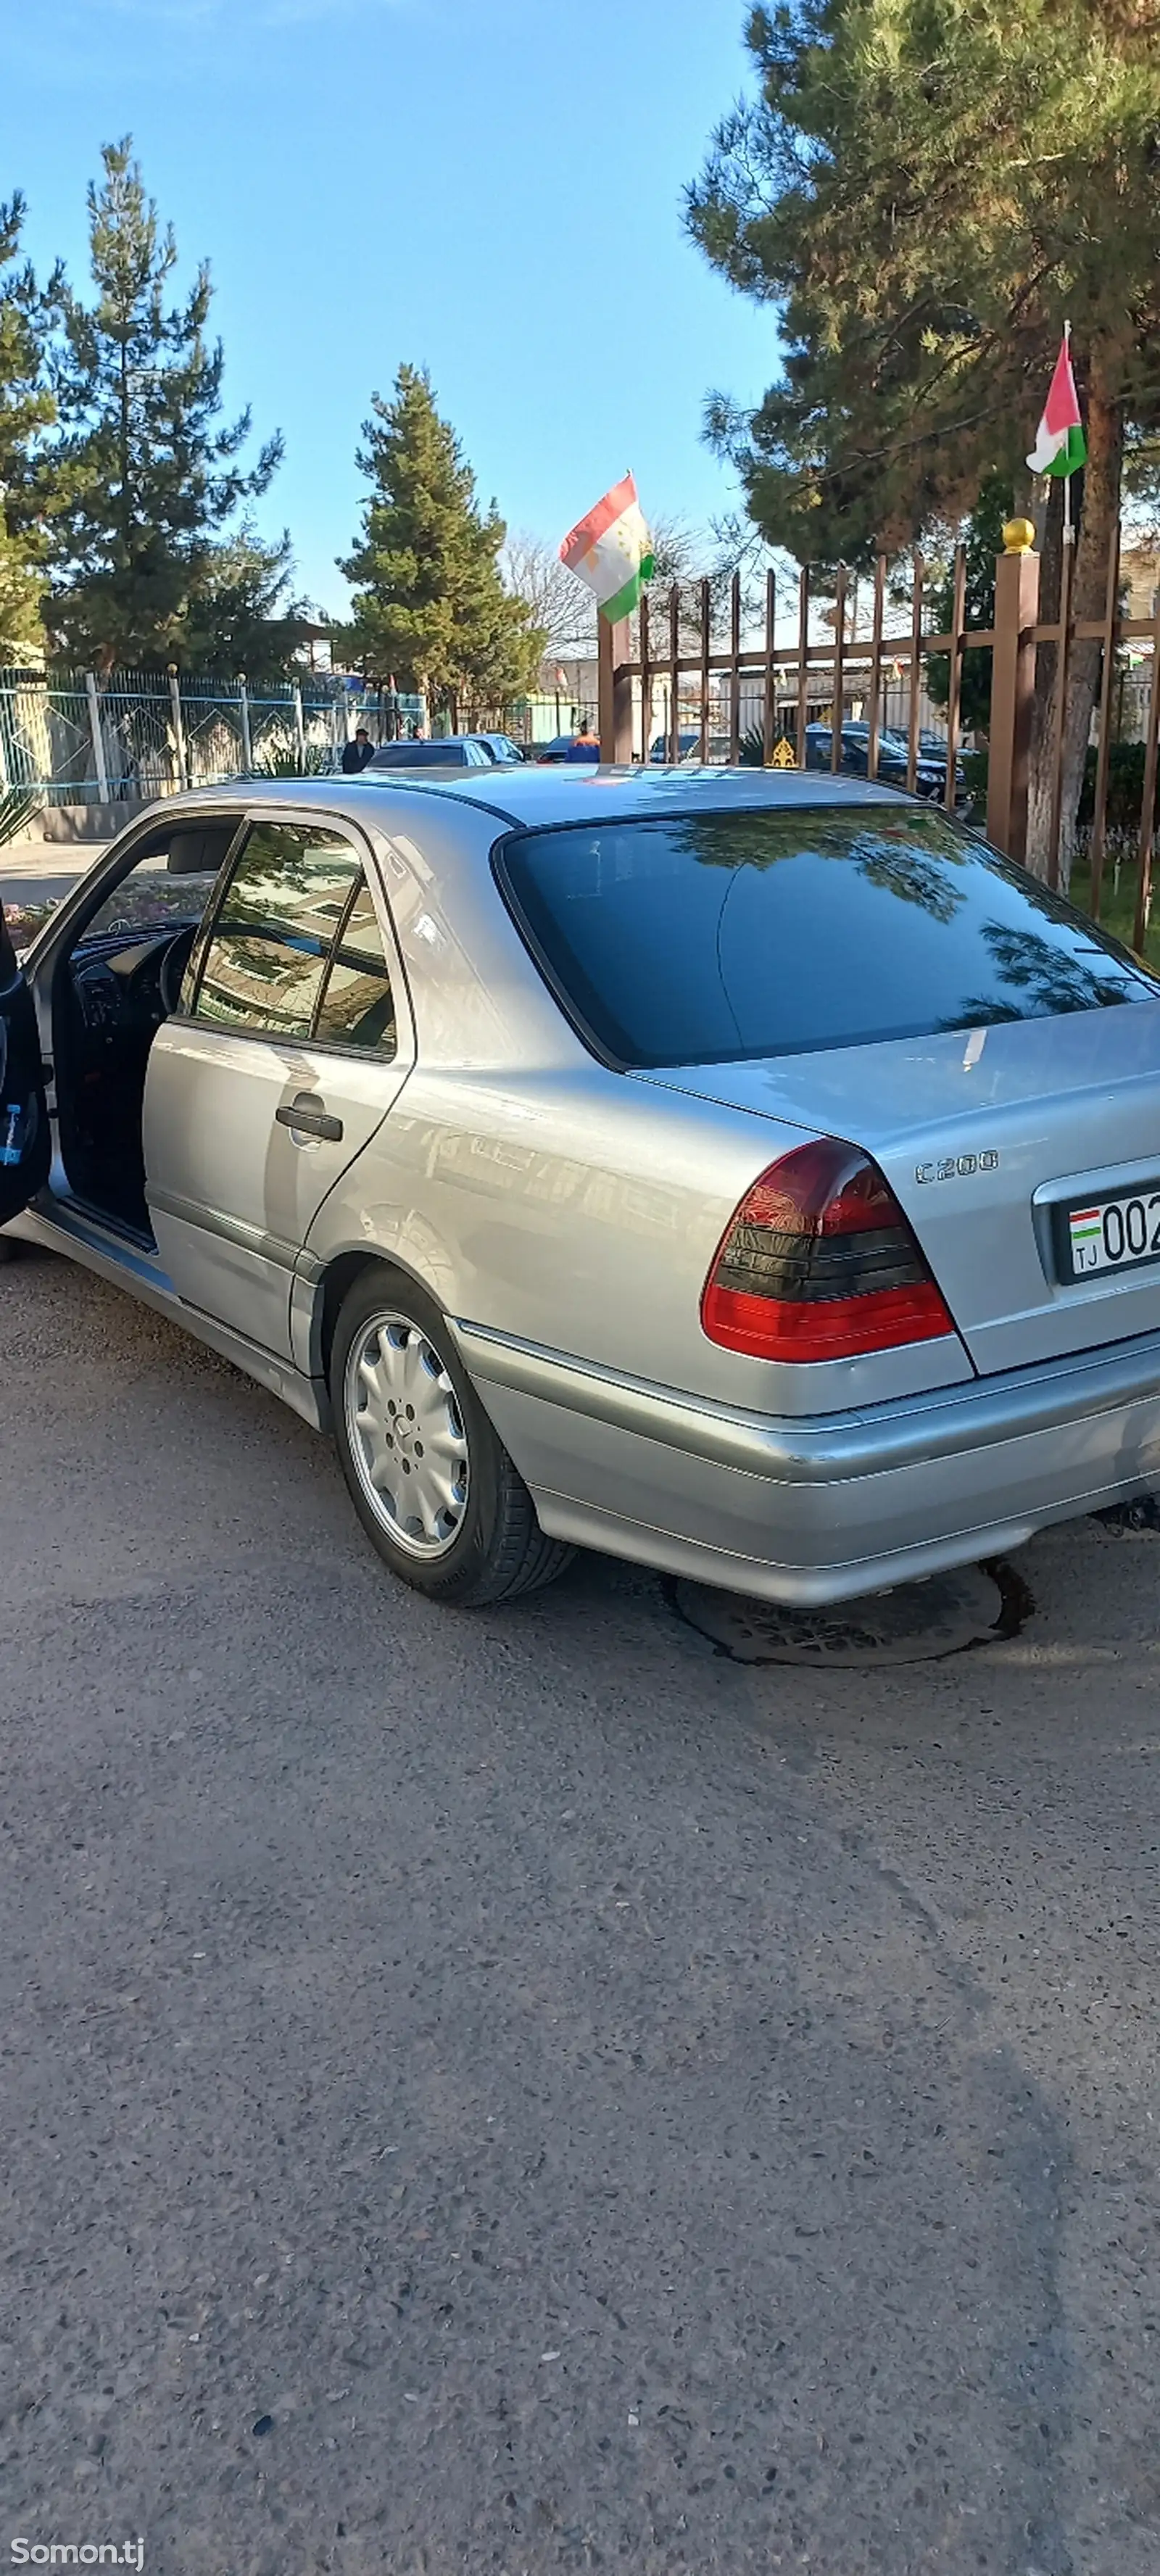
pixel 584 746
pixel 356 754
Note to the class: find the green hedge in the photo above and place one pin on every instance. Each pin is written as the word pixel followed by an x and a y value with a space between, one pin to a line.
pixel 1125 788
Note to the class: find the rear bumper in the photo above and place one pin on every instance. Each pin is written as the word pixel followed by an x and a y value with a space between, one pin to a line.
pixel 820 1508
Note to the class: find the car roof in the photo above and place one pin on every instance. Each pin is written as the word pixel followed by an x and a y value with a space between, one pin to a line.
pixel 534 799
pixel 585 793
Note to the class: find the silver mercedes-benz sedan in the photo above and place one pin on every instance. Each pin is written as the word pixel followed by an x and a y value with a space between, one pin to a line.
pixel 746 1174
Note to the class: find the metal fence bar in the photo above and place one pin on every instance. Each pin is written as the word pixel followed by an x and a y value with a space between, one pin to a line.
pixel 1104 754
pixel 244 721
pixel 735 676
pixel 955 685
pixel 674 672
pixel 803 676
pixel 838 709
pixel 645 681
pixel 1148 811
pixel 705 659
pixel 769 710
pixel 876 666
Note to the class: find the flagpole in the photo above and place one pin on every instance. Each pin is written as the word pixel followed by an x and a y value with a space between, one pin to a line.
pixel 1062 657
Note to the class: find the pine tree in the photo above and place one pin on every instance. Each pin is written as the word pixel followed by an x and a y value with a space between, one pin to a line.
pixel 923 189
pixel 143 479
pixel 25 408
pixel 239 618
pixel 430 608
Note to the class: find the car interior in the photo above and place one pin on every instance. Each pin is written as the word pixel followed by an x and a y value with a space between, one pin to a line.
pixel 118 982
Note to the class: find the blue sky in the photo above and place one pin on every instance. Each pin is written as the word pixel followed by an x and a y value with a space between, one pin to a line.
pixel 490 188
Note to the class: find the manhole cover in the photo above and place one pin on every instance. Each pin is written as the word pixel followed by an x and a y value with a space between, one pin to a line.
pixel 915 1623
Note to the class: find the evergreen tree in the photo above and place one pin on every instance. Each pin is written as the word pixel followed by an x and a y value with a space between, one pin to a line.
pixel 430 607
pixel 924 188
pixel 25 408
pixel 238 618
pixel 143 479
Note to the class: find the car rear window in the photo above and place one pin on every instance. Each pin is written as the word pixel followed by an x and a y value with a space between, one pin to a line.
pixel 421 755
pixel 708 938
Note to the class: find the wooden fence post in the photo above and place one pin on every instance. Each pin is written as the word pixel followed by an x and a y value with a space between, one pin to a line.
pixel 1012 689
pixel 614 689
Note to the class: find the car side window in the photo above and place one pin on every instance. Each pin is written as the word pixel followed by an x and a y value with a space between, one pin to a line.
pixel 267 953
pixel 356 1007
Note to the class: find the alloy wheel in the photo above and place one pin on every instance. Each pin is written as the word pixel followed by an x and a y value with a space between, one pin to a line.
pixel 407 1436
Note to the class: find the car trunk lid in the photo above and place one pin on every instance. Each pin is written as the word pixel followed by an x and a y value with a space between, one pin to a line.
pixel 986 1136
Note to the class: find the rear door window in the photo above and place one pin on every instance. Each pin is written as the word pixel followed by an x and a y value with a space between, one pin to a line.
pixel 709 938
pixel 266 956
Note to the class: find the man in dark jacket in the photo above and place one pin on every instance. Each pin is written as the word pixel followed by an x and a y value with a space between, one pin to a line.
pixel 356 754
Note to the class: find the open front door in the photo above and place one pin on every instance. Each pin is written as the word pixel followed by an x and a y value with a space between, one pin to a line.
pixel 25 1145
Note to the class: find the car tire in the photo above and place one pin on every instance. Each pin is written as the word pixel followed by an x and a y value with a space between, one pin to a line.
pixel 430 1479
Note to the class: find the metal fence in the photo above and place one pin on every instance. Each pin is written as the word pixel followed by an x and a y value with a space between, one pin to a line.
pixel 772 690
pixel 81 739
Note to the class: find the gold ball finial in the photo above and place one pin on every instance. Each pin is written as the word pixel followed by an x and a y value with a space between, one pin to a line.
pixel 1018 536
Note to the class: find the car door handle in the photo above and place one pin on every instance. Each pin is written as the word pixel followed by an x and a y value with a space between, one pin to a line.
pixel 307 1117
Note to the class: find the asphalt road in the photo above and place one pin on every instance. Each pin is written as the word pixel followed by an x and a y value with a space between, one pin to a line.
pixel 521 2092
pixel 45 871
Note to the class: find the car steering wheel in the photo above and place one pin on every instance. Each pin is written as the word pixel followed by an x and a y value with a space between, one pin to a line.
pixel 171 972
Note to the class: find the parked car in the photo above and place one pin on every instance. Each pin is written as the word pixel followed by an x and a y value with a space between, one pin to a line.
pixel 442 751
pixel 689 741
pixel 930 776
pixel 756 1178
pixel 566 748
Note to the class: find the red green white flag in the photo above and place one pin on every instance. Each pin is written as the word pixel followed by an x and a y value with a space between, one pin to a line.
pixel 611 551
pixel 1060 444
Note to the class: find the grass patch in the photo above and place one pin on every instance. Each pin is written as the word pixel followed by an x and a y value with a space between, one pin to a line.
pixel 1118 901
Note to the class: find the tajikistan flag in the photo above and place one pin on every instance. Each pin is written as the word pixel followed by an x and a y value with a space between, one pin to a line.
pixel 1060 444
pixel 611 550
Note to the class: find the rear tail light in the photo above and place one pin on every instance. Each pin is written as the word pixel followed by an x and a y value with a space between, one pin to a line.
pixel 819 1263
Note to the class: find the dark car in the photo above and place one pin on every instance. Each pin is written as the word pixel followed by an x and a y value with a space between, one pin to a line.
pixel 930 775
pixel 567 747
pixel 448 751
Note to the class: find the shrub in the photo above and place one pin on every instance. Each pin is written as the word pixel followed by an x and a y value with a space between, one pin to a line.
pixel 17 807
pixel 316 761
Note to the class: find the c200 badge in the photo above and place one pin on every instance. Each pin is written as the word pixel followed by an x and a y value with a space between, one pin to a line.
pixel 956 1167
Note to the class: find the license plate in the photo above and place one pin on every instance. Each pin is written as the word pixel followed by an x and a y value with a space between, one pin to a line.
pixel 1110 1234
